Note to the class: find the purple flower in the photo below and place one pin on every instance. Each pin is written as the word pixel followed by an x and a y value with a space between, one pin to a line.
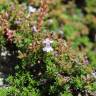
pixel 34 29
pixel 17 22
pixel 47 42
pixel 86 61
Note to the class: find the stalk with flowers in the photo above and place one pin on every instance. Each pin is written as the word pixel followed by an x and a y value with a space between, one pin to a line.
pixel 42 12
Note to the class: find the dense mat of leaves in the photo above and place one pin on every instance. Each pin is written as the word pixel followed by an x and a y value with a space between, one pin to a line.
pixel 54 54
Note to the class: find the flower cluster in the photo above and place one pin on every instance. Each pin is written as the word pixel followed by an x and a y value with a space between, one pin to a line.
pixel 47 42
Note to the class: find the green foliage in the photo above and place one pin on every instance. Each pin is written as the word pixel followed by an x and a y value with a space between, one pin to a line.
pixel 3 92
pixel 91 5
pixel 63 71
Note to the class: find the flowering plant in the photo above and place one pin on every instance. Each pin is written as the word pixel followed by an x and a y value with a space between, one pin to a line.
pixel 47 54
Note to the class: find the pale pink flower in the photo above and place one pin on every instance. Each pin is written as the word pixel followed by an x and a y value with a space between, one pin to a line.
pixel 47 42
pixel 9 34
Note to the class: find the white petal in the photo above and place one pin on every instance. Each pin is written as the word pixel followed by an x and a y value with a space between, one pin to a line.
pixel 47 49
pixel 31 9
pixel 4 53
pixel 94 74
